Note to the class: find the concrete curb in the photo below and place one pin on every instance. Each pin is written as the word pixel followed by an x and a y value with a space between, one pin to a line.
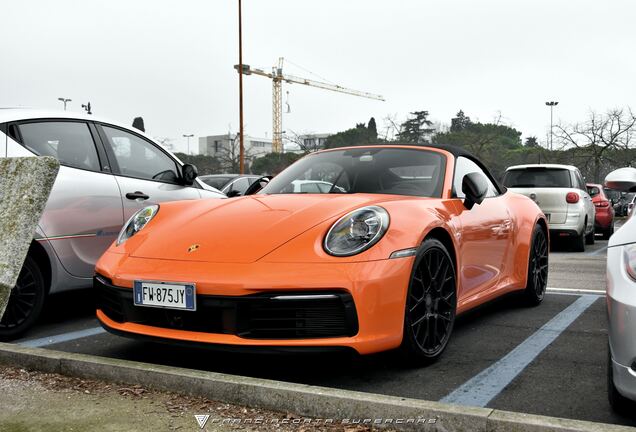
pixel 300 399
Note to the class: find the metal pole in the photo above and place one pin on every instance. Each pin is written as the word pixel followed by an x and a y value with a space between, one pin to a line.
pixel 187 137
pixel 64 101
pixel 242 148
pixel 551 104
pixel 551 128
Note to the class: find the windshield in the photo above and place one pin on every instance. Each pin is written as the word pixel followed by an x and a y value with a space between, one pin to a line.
pixel 538 178
pixel 216 182
pixel 379 170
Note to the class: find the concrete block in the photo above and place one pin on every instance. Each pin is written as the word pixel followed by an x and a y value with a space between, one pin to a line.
pixel 300 399
pixel 30 358
pixel 506 421
pixel 25 185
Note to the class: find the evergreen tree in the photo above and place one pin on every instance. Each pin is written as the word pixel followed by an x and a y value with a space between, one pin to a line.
pixel 416 128
pixel 460 122
pixel 373 129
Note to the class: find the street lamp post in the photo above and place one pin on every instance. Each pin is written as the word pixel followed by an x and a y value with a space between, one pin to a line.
pixel 240 65
pixel 188 136
pixel 64 101
pixel 551 104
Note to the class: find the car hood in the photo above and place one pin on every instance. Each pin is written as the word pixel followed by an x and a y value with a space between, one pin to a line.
pixel 239 230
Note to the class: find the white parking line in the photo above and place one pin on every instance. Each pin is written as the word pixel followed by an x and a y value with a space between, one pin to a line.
pixel 485 386
pixel 64 337
pixel 597 251
pixel 576 291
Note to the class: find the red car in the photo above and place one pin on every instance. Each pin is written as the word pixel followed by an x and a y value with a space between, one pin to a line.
pixel 604 221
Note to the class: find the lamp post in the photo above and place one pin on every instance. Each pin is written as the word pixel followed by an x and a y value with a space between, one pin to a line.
pixel 240 65
pixel 188 136
pixel 551 104
pixel 64 101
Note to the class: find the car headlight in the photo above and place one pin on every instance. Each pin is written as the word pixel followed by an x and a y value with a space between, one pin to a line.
pixel 136 223
pixel 357 231
pixel 629 259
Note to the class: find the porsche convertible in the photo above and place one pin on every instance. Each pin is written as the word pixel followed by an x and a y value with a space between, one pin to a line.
pixel 396 242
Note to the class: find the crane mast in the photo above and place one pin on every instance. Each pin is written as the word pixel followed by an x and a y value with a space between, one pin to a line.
pixel 277 77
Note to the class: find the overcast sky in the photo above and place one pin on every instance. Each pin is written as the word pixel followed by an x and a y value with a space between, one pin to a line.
pixel 171 61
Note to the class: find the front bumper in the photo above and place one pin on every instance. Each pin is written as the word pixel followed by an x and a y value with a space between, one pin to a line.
pixel 367 316
pixel 621 311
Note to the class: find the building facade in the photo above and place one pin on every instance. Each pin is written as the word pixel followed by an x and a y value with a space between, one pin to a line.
pixel 219 145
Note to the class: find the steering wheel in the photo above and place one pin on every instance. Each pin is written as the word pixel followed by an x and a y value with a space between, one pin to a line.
pixel 257 185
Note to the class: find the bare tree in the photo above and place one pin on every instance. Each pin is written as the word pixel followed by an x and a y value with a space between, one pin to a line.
pixel 598 137
pixel 304 142
pixel 391 127
pixel 230 155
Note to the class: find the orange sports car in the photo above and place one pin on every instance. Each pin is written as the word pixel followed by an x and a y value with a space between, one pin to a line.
pixel 372 248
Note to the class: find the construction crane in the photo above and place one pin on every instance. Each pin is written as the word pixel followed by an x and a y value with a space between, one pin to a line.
pixel 277 77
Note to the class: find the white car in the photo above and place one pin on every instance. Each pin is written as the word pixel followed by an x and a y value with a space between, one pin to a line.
pixel 108 171
pixel 621 303
pixel 560 191
pixel 313 186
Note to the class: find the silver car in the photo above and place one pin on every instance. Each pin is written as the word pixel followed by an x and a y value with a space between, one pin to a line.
pixel 621 303
pixel 108 171
pixel 231 185
pixel 560 191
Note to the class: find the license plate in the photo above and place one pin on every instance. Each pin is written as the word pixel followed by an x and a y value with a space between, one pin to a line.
pixel 165 295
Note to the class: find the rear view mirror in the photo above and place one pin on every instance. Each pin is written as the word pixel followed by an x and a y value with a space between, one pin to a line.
pixel 190 172
pixel 475 188
pixel 622 179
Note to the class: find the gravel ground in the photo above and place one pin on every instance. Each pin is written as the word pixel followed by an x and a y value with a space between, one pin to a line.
pixel 50 402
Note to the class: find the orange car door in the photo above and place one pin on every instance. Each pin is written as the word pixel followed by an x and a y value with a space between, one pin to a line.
pixel 485 235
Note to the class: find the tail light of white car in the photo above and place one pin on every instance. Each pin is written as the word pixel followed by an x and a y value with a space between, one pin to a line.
pixel 572 198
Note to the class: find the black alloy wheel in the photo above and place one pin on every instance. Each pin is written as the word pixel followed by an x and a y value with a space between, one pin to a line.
pixel 430 305
pixel 537 268
pixel 25 302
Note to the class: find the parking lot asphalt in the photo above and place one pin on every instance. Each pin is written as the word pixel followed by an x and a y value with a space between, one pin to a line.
pixel 547 360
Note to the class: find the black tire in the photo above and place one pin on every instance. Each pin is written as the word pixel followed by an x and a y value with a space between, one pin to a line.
pixel 591 237
pixel 431 305
pixel 618 402
pixel 608 232
pixel 578 243
pixel 537 268
pixel 25 302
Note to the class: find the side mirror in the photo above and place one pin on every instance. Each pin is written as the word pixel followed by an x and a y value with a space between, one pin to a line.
pixel 475 188
pixel 622 179
pixel 233 193
pixel 190 172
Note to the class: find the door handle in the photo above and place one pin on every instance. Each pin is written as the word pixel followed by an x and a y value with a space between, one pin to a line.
pixel 137 195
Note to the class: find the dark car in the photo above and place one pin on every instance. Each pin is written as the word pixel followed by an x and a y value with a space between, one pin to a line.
pixel 230 184
pixel 621 203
